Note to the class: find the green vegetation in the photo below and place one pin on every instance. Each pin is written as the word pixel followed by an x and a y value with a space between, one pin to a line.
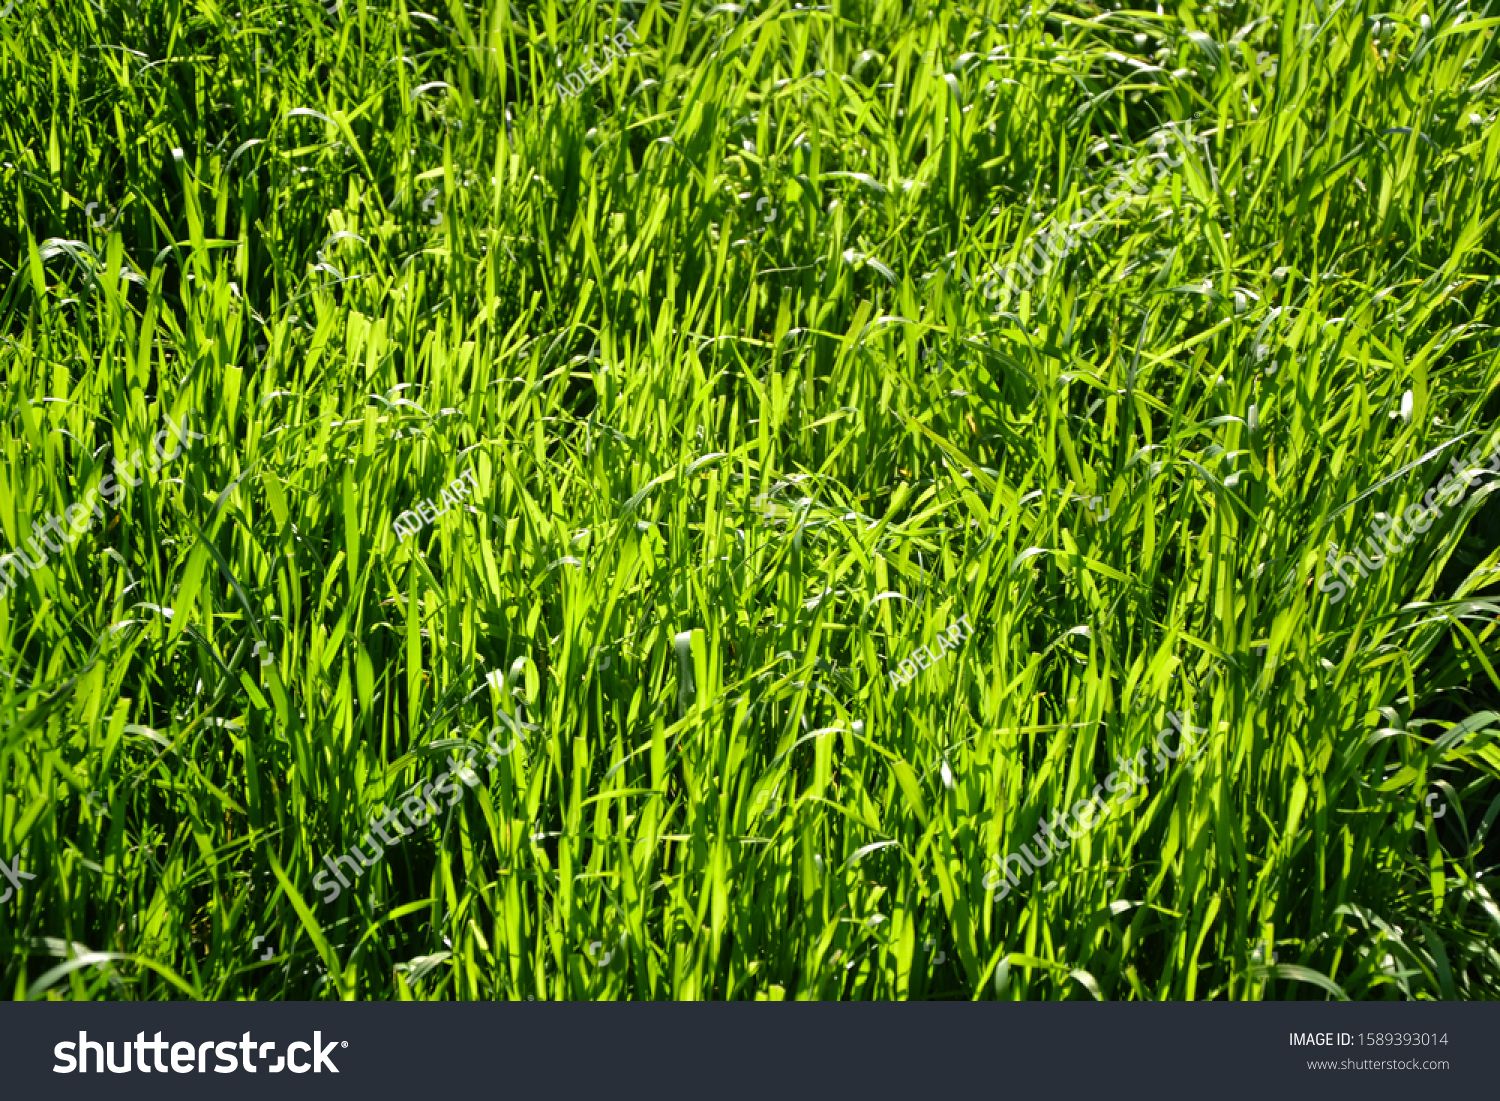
pixel 713 339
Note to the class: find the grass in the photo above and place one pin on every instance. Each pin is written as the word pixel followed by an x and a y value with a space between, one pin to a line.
pixel 746 432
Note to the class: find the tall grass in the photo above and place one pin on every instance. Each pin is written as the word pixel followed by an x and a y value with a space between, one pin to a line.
pixel 736 460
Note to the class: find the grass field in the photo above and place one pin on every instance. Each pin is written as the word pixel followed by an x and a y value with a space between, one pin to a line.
pixel 718 347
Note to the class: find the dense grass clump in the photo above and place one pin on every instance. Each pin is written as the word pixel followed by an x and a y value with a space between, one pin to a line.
pixel 718 346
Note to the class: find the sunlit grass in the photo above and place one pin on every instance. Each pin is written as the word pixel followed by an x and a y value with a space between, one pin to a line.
pixel 746 432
